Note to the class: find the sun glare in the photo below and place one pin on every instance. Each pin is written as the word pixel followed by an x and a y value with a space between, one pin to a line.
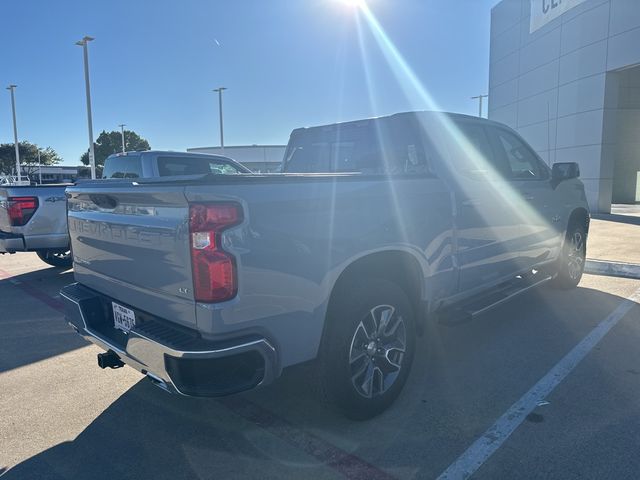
pixel 352 3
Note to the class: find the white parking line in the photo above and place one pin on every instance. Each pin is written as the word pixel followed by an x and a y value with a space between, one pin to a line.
pixel 485 446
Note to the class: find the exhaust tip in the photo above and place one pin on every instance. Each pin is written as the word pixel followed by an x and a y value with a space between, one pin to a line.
pixel 109 360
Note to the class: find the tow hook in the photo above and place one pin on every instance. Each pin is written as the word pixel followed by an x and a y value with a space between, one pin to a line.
pixel 109 360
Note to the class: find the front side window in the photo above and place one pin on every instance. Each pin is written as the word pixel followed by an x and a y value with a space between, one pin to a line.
pixel 473 154
pixel 222 168
pixel 523 163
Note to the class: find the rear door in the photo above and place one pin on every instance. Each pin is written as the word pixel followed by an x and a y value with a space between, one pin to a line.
pixel 539 215
pixel 486 221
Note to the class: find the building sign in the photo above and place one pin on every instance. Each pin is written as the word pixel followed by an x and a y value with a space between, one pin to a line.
pixel 543 11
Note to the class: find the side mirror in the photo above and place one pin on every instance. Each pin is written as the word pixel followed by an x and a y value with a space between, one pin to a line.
pixel 564 171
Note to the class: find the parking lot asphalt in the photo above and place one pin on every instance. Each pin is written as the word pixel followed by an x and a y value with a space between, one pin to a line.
pixel 64 418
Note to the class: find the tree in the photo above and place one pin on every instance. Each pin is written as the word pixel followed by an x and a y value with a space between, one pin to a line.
pixel 28 157
pixel 111 142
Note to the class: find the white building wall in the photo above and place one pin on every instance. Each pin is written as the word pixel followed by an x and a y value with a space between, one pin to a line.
pixel 551 84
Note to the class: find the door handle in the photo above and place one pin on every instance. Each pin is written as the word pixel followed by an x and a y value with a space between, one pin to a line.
pixel 529 197
pixel 470 203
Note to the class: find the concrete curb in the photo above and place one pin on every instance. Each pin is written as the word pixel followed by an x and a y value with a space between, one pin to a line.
pixel 612 269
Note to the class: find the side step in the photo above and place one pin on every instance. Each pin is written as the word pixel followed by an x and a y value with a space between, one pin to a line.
pixel 476 306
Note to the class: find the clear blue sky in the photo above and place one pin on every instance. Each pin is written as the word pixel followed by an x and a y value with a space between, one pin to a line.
pixel 287 63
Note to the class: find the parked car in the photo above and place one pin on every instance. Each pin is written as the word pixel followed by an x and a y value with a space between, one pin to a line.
pixel 34 218
pixel 213 285
pixel 11 180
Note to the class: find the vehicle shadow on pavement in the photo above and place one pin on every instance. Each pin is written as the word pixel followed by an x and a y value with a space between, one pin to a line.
pixel 31 319
pixel 463 379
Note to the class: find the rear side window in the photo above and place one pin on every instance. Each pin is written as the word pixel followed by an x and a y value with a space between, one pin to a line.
pixel 176 166
pixel 125 166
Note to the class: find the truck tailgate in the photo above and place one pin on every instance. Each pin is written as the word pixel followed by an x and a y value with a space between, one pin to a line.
pixel 131 242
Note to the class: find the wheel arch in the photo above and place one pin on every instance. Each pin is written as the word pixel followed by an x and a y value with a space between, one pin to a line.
pixel 581 216
pixel 398 266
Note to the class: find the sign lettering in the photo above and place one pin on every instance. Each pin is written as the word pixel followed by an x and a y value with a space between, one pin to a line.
pixel 543 11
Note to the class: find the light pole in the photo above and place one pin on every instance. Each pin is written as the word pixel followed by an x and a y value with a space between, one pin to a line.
pixel 11 88
pixel 220 90
pixel 92 159
pixel 122 125
pixel 480 98
pixel 39 168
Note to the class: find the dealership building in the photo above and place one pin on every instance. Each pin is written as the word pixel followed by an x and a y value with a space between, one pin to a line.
pixel 566 75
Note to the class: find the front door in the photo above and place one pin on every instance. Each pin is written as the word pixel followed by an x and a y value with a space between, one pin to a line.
pixel 487 225
pixel 539 215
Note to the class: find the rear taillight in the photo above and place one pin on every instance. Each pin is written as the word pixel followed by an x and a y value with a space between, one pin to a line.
pixel 21 209
pixel 214 270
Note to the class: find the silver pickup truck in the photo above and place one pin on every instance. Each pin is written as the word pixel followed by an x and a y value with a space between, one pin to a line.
pixel 34 218
pixel 214 285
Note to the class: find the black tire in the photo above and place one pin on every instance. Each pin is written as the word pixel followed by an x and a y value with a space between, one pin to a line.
pixel 349 345
pixel 572 258
pixel 56 258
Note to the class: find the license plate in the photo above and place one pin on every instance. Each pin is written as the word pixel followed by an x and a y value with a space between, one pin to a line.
pixel 123 318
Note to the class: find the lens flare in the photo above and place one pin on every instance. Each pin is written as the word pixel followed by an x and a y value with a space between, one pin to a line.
pixel 451 142
pixel 352 3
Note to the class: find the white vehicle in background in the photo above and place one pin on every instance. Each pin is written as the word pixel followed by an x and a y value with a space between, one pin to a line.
pixel 12 180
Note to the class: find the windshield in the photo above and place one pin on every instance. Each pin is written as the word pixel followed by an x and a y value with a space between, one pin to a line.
pixel 377 147
pixel 176 165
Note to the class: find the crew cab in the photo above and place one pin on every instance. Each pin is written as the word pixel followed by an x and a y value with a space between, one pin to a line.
pixel 213 285
pixel 34 218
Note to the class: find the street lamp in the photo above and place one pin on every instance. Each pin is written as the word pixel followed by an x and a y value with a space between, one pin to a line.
pixel 219 91
pixel 39 168
pixel 92 159
pixel 480 98
pixel 11 88
pixel 122 125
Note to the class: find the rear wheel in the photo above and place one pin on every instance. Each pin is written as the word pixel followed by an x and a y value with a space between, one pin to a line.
pixel 56 258
pixel 368 348
pixel 572 258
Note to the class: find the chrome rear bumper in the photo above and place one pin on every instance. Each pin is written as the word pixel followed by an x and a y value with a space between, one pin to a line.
pixel 204 371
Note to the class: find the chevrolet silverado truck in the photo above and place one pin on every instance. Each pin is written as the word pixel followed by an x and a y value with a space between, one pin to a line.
pixel 214 285
pixel 34 218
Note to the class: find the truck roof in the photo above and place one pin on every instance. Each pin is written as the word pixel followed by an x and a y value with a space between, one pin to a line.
pixel 419 113
pixel 168 152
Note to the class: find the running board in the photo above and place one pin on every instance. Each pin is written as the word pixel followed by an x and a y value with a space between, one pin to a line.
pixel 475 307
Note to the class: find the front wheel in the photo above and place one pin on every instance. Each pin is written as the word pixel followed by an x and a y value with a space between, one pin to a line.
pixel 56 258
pixel 368 348
pixel 572 259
